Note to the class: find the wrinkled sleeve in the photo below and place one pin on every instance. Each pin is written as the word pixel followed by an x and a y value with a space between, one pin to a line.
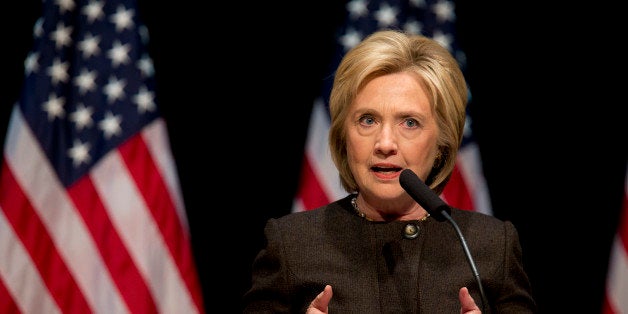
pixel 516 292
pixel 269 291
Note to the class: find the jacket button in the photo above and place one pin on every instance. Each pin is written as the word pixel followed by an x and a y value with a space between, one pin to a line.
pixel 411 231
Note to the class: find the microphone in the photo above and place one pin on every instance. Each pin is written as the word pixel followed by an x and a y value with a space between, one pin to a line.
pixel 437 208
pixel 422 194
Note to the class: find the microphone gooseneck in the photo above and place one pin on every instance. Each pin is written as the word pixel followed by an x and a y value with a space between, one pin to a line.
pixel 422 194
pixel 437 208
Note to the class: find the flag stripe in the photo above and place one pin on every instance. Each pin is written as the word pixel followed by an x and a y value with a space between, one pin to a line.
pixel 155 193
pixel 312 195
pixel 156 137
pixel 32 234
pixel 136 226
pixel 622 231
pixel 318 149
pixel 470 164
pixel 9 306
pixel 27 289
pixel 469 181
pixel 319 181
pixel 89 189
pixel 617 285
pixel 615 300
pixel 114 253
pixel 67 231
pixel 457 191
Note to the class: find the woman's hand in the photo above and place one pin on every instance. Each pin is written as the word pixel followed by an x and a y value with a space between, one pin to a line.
pixel 467 304
pixel 320 304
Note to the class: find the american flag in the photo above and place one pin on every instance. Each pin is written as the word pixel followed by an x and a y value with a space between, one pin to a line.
pixel 616 297
pixel 319 181
pixel 91 213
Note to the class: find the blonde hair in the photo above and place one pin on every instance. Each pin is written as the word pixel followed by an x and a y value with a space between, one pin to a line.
pixel 391 51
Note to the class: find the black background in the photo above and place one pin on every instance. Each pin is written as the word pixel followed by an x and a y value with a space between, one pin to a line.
pixel 235 84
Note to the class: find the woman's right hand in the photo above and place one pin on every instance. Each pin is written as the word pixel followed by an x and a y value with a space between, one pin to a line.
pixel 467 304
pixel 320 304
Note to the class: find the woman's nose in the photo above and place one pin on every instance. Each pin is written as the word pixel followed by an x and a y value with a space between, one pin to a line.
pixel 386 142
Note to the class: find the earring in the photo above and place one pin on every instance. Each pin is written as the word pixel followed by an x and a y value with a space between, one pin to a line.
pixel 439 160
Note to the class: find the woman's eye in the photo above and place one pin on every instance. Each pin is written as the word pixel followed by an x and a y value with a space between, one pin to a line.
pixel 367 120
pixel 411 123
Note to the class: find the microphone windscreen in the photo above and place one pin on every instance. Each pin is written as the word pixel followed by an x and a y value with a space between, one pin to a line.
pixel 423 195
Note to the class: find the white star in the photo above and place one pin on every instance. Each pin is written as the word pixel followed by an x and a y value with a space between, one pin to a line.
pixel 61 35
pixel 82 117
pixel 93 11
pixel 386 15
pixel 461 57
pixel 65 5
pixel 444 39
pixel 144 100
pixel 54 107
pixel 89 45
pixel 417 3
pixel 350 39
pixel 30 64
pixel 38 29
pixel 110 125
pixel 79 153
pixel 122 18
pixel 357 8
pixel 143 31
pixel 413 26
pixel 119 53
pixel 114 89
pixel 145 64
pixel 444 11
pixel 58 71
pixel 86 81
pixel 467 127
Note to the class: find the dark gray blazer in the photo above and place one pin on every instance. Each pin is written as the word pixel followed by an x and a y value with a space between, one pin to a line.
pixel 374 267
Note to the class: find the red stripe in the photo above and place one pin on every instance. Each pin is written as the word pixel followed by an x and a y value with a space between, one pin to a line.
pixel 456 191
pixel 8 304
pixel 622 231
pixel 117 258
pixel 156 194
pixel 32 232
pixel 621 242
pixel 310 189
pixel 607 308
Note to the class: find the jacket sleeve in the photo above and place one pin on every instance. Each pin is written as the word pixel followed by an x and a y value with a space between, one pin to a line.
pixel 268 293
pixel 515 295
pixel 274 288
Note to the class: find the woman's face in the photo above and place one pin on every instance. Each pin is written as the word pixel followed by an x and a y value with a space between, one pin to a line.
pixel 390 127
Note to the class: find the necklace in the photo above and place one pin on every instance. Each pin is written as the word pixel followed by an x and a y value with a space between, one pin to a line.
pixel 354 202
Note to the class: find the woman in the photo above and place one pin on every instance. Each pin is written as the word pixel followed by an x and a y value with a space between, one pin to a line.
pixel 398 102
